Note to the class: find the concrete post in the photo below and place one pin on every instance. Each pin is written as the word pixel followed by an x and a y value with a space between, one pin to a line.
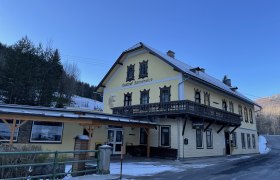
pixel 104 159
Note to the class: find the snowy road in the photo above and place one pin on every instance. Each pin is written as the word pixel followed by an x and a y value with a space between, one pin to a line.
pixel 242 168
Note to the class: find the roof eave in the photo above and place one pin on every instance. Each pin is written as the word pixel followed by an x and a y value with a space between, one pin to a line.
pixel 113 66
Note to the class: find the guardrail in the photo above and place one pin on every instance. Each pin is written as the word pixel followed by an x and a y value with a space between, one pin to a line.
pixel 23 165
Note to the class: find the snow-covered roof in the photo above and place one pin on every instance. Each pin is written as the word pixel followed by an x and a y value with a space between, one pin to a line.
pixel 66 113
pixel 201 75
pixel 186 70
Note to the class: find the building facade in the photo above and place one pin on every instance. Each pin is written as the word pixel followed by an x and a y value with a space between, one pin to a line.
pixel 197 115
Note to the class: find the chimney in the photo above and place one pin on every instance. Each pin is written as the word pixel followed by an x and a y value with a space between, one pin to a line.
pixel 227 81
pixel 171 53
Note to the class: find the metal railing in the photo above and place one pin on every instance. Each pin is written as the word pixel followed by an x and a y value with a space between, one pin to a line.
pixel 179 107
pixel 21 165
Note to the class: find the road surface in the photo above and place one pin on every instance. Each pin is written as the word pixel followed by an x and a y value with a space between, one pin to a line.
pixel 248 168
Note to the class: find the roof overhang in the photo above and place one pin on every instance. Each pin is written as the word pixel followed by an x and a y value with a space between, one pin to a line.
pixel 33 113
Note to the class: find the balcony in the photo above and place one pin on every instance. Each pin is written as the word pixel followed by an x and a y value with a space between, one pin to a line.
pixel 180 108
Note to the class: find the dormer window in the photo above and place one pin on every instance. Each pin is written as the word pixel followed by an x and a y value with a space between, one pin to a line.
pixel 197 97
pixel 143 69
pixel 224 105
pixel 130 72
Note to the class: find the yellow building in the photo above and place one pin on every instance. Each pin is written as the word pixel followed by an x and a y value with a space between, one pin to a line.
pixel 197 115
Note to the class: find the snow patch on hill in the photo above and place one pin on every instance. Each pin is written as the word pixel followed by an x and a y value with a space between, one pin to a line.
pixel 86 103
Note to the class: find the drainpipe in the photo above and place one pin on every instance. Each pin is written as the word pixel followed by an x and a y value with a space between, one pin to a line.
pixel 178 138
pixel 181 96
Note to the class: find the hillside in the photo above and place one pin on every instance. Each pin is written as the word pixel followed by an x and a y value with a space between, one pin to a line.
pixel 268 121
pixel 271 104
pixel 85 103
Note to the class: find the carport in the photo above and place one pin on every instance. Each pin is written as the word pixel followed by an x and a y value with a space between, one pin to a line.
pixel 88 119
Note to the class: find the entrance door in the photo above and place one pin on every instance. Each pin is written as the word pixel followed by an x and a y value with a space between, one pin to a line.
pixel 227 143
pixel 115 140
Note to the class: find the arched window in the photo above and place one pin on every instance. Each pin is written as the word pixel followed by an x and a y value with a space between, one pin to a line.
pixel 224 105
pixel 197 97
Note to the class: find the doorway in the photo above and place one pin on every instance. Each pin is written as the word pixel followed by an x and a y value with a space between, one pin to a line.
pixel 227 143
pixel 115 137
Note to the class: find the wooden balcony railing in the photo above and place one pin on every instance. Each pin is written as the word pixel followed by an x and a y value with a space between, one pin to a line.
pixel 177 108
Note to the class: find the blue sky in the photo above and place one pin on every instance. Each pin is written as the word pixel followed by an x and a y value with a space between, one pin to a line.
pixel 240 38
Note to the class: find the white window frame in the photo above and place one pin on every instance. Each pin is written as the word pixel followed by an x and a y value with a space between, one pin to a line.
pixel 211 139
pixel 9 130
pixel 46 141
pixel 140 136
pixel 198 147
pixel 160 135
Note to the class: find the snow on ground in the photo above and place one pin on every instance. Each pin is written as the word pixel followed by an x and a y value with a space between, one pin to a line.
pixel 242 157
pixel 86 103
pixel 138 169
pixel 263 145
pixel 150 168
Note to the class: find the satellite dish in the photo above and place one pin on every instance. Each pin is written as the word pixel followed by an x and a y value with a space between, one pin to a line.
pixel 111 101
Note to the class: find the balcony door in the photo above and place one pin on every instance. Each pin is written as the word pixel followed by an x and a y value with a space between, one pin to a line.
pixel 115 137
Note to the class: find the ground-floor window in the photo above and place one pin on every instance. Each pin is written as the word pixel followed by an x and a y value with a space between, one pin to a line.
pixel 143 136
pixel 243 140
pixel 199 138
pixel 46 132
pixel 254 141
pixel 234 139
pixel 165 136
pixel 249 141
pixel 209 139
pixel 5 131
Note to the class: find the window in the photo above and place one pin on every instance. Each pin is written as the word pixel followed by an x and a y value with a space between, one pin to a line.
pixel 143 136
pixel 46 132
pixel 246 114
pixel 165 94
pixel 144 96
pixel 165 136
pixel 240 111
pixel 231 107
pixel 5 131
pixel 254 141
pixel 199 139
pixel 249 141
pixel 130 73
pixel 251 116
pixel 243 140
pixel 224 105
pixel 143 69
pixel 209 139
pixel 234 143
pixel 127 99
pixel 207 98
pixel 197 97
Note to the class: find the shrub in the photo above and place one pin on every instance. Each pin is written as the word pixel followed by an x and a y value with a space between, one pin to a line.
pixel 14 172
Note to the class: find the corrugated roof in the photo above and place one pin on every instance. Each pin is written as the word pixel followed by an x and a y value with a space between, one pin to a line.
pixel 66 113
pixel 187 69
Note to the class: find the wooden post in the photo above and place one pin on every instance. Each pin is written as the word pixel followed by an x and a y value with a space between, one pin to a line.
pixel 12 132
pixel 148 142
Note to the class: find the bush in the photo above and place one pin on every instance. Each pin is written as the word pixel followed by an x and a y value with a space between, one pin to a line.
pixel 14 172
